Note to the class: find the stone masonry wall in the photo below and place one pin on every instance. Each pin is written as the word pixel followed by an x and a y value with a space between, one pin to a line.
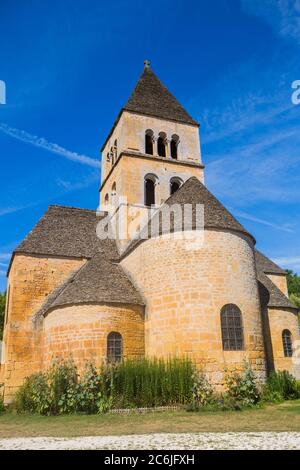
pixel 31 279
pixel 80 332
pixel 129 174
pixel 280 281
pixel 279 320
pixel 186 286
pixel 130 135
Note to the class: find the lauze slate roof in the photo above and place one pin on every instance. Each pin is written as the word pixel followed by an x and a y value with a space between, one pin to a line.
pixel 97 281
pixel 67 231
pixel 71 233
pixel 276 298
pixel 152 98
pixel 266 265
pixel 194 193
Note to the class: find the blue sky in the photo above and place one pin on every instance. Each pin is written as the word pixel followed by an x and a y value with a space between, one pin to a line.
pixel 70 65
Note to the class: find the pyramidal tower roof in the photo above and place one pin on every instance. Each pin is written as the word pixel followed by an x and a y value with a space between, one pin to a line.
pixel 152 98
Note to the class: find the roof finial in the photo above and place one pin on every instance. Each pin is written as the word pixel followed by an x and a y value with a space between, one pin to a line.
pixel 147 64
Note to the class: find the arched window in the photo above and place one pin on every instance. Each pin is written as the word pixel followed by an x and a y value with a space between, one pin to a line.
pixel 175 184
pixel 112 155
pixel 287 343
pixel 113 193
pixel 232 328
pixel 161 144
pixel 114 347
pixel 150 183
pixel 174 146
pixel 106 199
pixel 149 142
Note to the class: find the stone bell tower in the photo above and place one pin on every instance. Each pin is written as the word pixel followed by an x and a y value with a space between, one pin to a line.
pixel 151 150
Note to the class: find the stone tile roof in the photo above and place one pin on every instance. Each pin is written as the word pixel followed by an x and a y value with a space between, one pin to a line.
pixel 192 192
pixel 98 281
pixel 266 265
pixel 68 232
pixel 71 233
pixel 152 98
pixel 215 214
pixel 276 298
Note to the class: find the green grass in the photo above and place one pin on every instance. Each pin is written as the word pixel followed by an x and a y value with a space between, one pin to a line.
pixel 279 417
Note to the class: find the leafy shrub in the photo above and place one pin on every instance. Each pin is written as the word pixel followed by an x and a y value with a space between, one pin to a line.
pixel 281 386
pixel 242 387
pixel 63 384
pixel 202 389
pixel 142 383
pixel 34 395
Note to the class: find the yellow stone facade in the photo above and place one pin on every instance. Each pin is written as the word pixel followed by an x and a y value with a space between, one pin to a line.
pixel 31 280
pixel 281 319
pixel 81 332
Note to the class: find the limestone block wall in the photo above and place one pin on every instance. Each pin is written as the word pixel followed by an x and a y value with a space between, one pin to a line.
pixel 80 332
pixel 130 135
pixel 186 285
pixel 129 174
pixel 280 281
pixel 31 279
pixel 279 320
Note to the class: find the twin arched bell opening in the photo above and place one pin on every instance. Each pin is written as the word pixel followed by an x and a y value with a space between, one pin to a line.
pixel 163 149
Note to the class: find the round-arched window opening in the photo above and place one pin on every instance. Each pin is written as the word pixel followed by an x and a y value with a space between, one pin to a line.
pixel 174 146
pixel 175 184
pixel 287 343
pixel 232 328
pixel 106 199
pixel 114 347
pixel 149 142
pixel 150 183
pixel 161 145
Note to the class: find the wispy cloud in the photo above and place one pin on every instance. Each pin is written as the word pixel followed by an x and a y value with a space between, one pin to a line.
pixel 222 123
pixel 290 262
pixel 12 209
pixel 246 216
pixel 42 143
pixel 282 15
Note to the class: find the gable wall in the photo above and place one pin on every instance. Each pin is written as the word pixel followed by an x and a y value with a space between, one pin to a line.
pixel 280 280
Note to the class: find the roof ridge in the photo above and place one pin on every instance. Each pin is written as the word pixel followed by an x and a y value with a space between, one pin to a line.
pixel 267 265
pixel 59 206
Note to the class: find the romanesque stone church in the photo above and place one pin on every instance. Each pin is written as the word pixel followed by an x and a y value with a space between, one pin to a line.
pixel 74 294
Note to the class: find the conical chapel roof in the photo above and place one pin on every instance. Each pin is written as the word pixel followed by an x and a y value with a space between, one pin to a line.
pixel 152 98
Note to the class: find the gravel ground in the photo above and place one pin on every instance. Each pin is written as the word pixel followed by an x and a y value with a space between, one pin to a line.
pixel 195 441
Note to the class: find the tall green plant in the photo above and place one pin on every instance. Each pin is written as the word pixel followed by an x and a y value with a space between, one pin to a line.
pixel 150 382
pixel 281 385
pixel 242 386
